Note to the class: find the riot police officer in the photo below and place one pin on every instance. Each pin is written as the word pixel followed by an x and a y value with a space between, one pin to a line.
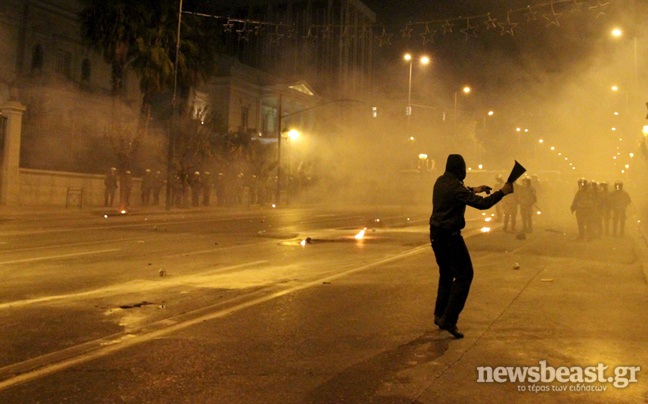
pixel 619 201
pixel 111 186
pixel 527 198
pixel 583 205
pixel 147 187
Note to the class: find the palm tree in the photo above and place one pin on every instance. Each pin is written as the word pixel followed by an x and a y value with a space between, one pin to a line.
pixel 142 34
pixel 111 28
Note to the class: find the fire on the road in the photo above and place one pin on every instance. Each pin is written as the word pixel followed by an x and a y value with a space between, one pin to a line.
pixel 360 235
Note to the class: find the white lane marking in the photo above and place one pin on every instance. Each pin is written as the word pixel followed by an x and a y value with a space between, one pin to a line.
pixel 53 257
pixel 107 349
pixel 139 285
pixel 116 345
pixel 171 222
pixel 45 247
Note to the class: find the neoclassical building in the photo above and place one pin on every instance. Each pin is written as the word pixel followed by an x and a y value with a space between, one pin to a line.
pixel 63 89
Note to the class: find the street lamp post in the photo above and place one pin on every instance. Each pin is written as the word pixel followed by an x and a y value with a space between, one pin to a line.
pixel 424 60
pixel 170 146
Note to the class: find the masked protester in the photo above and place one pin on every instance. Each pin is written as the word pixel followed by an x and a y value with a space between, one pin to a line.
pixel 619 201
pixel 449 202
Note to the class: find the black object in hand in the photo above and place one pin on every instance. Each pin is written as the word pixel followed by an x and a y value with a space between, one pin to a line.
pixel 516 173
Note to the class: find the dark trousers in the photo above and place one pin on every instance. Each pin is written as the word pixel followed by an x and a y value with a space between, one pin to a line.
pixel 455 276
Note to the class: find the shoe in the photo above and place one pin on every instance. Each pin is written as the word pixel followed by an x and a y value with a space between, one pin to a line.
pixel 452 329
pixel 437 320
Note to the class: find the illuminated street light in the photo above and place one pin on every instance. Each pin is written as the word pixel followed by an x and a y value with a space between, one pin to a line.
pixel 424 60
pixel 540 141
pixel 490 113
pixel 293 134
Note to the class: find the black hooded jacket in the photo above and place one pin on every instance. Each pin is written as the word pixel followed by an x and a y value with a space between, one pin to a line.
pixel 451 197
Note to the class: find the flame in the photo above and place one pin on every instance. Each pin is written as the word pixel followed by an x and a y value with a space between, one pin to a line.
pixel 488 219
pixel 273 205
pixel 485 229
pixel 303 242
pixel 539 212
pixel 123 212
pixel 360 235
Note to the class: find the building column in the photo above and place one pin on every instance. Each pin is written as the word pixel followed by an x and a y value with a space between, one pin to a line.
pixel 12 112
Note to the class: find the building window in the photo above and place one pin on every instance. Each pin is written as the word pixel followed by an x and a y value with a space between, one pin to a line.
pixel 64 64
pixel 37 59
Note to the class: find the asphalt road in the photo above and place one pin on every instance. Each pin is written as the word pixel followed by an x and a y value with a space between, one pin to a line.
pixel 228 306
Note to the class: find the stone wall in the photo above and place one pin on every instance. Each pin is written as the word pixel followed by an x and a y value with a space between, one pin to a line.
pixel 50 188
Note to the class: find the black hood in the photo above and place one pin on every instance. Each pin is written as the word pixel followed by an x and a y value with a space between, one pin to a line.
pixel 456 165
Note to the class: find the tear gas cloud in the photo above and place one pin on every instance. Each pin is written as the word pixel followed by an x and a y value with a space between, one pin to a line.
pixel 554 83
pixel 556 86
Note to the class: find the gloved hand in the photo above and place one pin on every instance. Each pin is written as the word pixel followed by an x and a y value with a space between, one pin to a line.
pixel 507 188
pixel 482 188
